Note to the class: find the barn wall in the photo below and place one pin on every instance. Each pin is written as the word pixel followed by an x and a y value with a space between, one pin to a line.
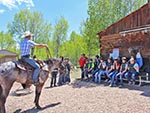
pixel 134 41
pixel 141 17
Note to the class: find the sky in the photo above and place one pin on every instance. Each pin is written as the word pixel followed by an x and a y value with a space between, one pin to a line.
pixel 75 11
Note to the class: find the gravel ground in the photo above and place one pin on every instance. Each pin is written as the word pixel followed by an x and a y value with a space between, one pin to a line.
pixel 83 97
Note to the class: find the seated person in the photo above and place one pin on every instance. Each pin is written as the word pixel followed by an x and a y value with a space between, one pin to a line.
pixel 123 71
pixel 88 67
pixel 95 70
pixel 112 75
pixel 101 67
pixel 133 71
pixel 109 68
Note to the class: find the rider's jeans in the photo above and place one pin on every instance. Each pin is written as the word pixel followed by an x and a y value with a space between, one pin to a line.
pixel 36 66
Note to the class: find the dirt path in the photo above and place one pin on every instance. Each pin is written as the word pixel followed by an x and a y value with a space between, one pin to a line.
pixel 83 97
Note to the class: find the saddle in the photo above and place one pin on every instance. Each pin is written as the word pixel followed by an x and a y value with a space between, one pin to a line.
pixel 21 64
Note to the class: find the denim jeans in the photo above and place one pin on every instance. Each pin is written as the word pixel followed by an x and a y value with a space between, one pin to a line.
pixel 93 74
pixel 131 75
pixel 53 79
pixel 36 67
pixel 98 76
pixel 61 79
pixel 113 76
pixel 67 76
pixel 121 75
pixel 82 72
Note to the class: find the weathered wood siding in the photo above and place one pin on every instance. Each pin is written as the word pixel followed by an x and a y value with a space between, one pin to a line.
pixel 134 40
pixel 140 17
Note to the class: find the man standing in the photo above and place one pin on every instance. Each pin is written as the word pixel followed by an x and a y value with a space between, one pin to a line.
pixel 25 48
pixel 68 68
pixel 82 62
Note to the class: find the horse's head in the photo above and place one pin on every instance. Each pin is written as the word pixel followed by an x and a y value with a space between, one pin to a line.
pixel 55 63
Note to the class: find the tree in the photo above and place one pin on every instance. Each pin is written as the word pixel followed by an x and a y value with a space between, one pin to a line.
pixel 6 41
pixel 101 14
pixel 74 47
pixel 33 22
pixel 60 34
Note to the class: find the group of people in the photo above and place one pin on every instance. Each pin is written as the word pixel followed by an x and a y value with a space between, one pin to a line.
pixel 111 70
pixel 63 75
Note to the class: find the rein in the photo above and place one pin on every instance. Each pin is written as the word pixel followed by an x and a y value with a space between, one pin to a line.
pixel 48 53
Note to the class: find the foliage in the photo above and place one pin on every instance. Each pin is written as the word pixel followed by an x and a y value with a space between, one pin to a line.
pixel 60 34
pixel 33 22
pixel 101 14
pixel 6 41
pixel 74 47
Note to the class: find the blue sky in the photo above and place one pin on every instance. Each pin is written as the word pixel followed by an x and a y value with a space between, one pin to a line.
pixel 75 11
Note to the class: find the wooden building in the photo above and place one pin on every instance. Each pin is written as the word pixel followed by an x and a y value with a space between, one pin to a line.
pixel 128 35
pixel 6 55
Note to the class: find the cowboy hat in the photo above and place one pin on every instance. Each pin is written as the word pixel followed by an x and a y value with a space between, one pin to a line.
pixel 27 33
pixel 132 59
pixel 124 58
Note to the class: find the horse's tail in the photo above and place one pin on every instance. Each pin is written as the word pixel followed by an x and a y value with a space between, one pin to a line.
pixel 1 91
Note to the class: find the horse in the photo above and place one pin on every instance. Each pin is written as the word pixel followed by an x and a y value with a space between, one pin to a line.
pixel 10 73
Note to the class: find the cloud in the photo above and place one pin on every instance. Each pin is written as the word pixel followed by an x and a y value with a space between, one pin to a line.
pixel 15 3
pixel 2 11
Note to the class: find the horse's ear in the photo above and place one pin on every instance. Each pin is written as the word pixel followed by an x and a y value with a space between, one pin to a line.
pixel 48 61
pixel 61 58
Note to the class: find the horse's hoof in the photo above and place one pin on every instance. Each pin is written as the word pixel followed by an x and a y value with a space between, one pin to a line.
pixel 38 107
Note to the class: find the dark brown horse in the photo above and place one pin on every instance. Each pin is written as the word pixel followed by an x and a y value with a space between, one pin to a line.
pixel 9 73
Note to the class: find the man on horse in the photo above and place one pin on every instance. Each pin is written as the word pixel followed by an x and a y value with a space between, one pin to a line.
pixel 25 48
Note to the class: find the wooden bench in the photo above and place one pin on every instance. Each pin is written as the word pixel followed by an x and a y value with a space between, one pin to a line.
pixel 143 78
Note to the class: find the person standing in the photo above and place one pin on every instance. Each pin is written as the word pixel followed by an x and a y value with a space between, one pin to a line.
pixel 82 62
pixel 68 68
pixel 53 77
pixel 25 48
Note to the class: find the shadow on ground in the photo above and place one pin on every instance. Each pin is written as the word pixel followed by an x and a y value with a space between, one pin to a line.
pixel 78 83
pixel 145 89
pixel 35 110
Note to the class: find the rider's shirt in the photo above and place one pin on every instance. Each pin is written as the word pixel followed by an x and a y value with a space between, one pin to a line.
pixel 25 47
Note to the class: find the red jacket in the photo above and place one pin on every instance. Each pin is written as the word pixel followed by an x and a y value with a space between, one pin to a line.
pixel 82 61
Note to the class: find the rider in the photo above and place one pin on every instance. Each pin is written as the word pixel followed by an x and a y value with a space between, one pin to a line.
pixel 25 47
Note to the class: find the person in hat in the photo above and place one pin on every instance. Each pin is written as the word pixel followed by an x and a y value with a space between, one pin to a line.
pixel 133 71
pixel 123 71
pixel 25 48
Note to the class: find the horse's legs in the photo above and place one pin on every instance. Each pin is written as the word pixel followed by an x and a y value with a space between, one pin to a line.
pixel 2 101
pixel 37 95
pixel 2 107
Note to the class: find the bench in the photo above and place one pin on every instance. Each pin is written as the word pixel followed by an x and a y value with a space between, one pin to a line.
pixel 143 78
